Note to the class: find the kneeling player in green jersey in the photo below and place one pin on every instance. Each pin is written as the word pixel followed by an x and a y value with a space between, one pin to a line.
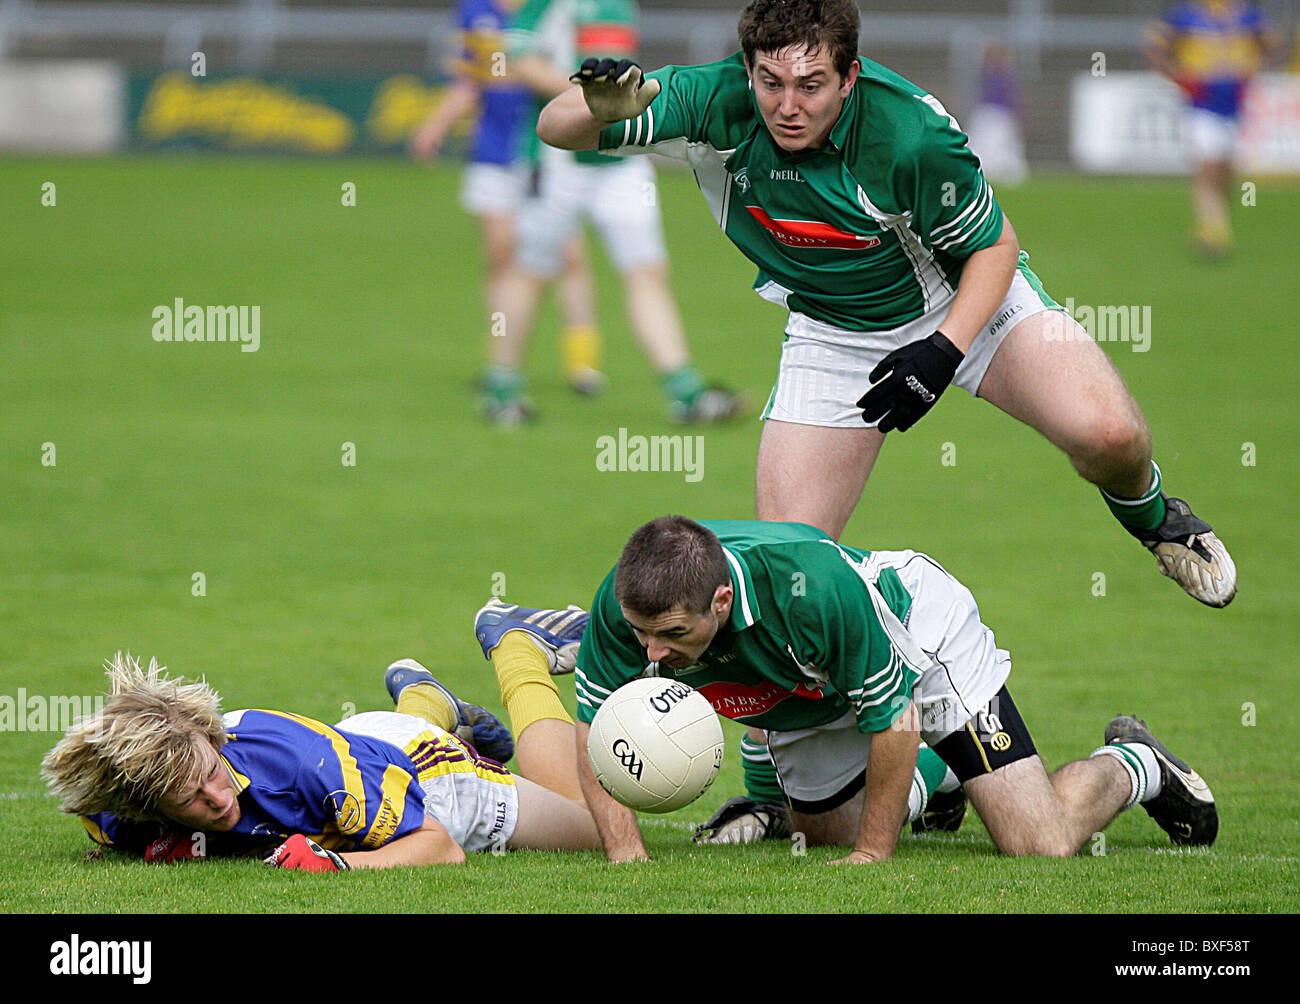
pixel 856 195
pixel 160 770
pixel 850 658
pixel 529 646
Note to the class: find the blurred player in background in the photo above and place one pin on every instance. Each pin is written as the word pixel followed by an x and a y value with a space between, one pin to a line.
pixel 1211 49
pixel 619 197
pixel 856 195
pixel 995 122
pixel 496 182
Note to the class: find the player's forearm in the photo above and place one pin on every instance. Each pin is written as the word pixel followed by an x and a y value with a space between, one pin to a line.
pixel 429 845
pixel 985 280
pixel 566 122
pixel 461 98
pixel 1272 48
pixel 889 780
pixel 616 823
pixel 540 75
pixel 1156 52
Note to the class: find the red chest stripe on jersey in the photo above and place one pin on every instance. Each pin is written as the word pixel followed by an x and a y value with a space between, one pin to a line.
pixel 615 39
pixel 811 234
pixel 737 700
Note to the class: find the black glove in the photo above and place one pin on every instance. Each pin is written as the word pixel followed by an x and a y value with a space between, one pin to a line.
pixel 743 821
pixel 908 381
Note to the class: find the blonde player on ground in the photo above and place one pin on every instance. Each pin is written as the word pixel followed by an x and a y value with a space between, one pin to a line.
pixel 160 770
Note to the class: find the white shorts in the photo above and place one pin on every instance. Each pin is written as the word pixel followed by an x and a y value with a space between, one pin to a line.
pixel 967 670
pixel 621 200
pixel 825 370
pixel 494 189
pixel 473 798
pixel 1210 137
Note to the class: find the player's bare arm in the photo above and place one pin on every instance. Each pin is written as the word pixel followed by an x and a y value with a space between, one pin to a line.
pixel 908 381
pixel 566 122
pixel 431 844
pixel 462 99
pixel 616 823
pixel 1156 51
pixel 540 74
pixel 607 91
pixel 985 280
pixel 889 778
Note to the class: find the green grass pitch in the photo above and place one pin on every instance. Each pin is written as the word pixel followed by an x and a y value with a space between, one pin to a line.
pixel 128 467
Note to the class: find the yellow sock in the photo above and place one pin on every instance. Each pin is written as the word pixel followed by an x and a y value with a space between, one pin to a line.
pixel 1214 233
pixel 527 689
pixel 426 701
pixel 581 349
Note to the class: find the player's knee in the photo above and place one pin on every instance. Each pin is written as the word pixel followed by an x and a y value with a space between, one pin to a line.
pixel 1038 844
pixel 1114 443
pixel 1057 847
pixel 1118 436
pixel 500 255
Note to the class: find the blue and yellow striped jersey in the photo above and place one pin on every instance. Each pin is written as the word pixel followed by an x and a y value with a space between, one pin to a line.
pixel 297 775
pixel 502 134
pixel 1217 48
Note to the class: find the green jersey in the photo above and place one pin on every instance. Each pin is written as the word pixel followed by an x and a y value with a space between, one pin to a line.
pixel 815 630
pixel 568 31
pixel 868 231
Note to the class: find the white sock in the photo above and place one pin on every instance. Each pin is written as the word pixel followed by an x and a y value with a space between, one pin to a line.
pixel 918 797
pixel 1143 768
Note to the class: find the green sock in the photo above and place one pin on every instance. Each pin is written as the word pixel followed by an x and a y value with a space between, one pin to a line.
pixel 932 770
pixel 1145 513
pixel 684 385
pixel 505 383
pixel 761 783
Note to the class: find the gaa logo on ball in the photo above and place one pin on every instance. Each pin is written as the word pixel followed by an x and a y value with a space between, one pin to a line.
pixel 655 745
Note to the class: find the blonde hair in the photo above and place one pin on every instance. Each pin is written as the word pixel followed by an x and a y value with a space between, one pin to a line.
pixel 141 746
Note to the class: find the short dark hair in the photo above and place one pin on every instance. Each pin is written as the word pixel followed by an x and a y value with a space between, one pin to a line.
pixel 820 25
pixel 669 562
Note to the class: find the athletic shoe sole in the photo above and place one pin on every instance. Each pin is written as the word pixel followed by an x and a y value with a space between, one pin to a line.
pixel 558 633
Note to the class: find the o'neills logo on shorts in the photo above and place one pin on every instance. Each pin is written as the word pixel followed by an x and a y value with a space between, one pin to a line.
pixel 498 820
pixel 811 233
pixel 737 700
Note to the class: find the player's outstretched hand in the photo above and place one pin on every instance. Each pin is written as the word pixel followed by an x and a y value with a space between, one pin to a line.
pixel 908 381
pixel 614 88
pixel 306 855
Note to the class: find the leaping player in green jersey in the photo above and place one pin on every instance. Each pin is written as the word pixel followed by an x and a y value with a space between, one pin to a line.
pixel 869 219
